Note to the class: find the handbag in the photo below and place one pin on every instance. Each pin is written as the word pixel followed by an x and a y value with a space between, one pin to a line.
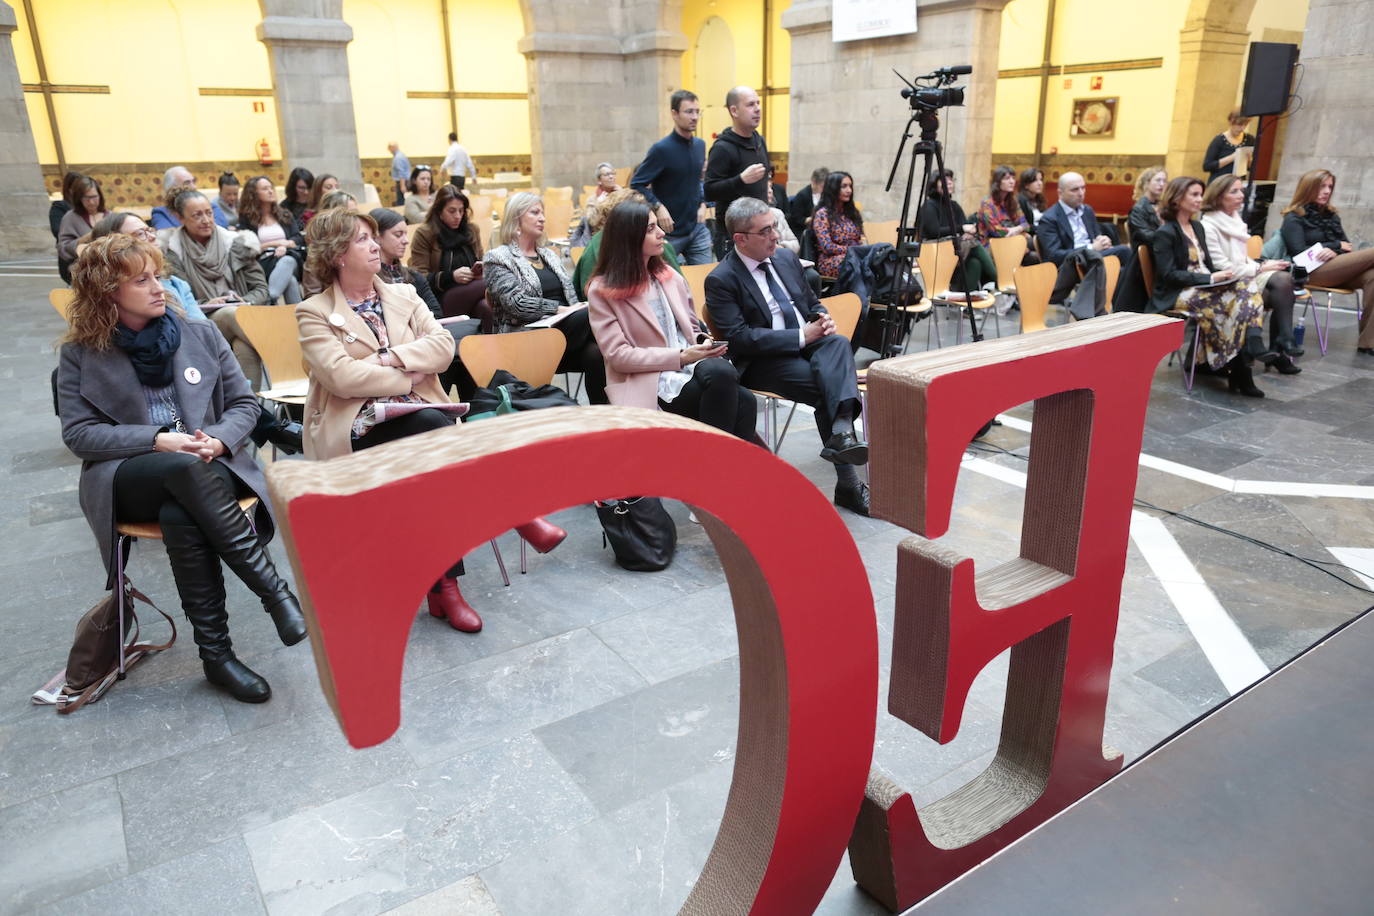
pixel 93 662
pixel 640 532
pixel 507 394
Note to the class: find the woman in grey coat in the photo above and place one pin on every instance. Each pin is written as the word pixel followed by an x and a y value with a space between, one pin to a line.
pixel 160 415
pixel 527 282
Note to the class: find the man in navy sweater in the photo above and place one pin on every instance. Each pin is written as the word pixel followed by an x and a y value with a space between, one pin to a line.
pixel 670 179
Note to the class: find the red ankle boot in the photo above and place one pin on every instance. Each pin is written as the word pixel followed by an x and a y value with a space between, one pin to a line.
pixel 446 601
pixel 540 534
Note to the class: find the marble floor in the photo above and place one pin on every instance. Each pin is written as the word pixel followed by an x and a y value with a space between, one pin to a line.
pixel 574 757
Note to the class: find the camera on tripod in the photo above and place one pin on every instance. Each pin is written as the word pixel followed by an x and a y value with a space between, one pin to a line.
pixel 935 89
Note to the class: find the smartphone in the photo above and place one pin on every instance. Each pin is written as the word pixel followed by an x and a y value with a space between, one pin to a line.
pixel 477 269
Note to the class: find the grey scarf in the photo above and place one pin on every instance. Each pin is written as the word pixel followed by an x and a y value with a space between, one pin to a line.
pixel 207 266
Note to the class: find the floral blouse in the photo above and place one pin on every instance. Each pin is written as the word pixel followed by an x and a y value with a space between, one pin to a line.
pixel 834 236
pixel 994 222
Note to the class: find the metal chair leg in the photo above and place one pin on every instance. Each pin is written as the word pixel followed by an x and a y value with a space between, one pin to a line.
pixel 783 435
pixel 1190 371
pixel 500 563
pixel 120 542
pixel 522 555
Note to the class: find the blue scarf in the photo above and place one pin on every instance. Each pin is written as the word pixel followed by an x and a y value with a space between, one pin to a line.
pixel 151 349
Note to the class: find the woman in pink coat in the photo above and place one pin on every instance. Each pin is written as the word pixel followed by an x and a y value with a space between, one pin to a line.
pixel 641 314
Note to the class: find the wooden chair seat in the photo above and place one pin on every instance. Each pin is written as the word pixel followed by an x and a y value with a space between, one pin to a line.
pixel 152 531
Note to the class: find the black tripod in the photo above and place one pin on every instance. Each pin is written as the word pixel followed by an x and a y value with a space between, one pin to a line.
pixel 909 236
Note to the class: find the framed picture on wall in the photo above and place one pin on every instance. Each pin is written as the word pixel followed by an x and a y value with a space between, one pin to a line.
pixel 1094 118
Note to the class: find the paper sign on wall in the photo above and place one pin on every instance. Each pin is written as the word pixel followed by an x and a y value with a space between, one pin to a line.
pixel 854 19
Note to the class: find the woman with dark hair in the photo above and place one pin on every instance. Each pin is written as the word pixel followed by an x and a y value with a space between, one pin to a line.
pixel 324 185
pixel 1227 240
pixel 447 249
pixel 1309 220
pixel 160 415
pixel 1030 196
pixel 227 206
pixel 1224 307
pixel 420 194
pixel 87 208
pixel 282 245
pixel 1226 148
pixel 63 205
pixel 943 218
pixel 298 185
pixel 370 345
pixel 1000 216
pixel 837 223
pixel 641 315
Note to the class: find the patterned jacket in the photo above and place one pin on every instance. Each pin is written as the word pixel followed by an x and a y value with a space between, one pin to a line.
pixel 514 290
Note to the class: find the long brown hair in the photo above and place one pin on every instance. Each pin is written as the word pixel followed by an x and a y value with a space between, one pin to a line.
pixel 620 264
pixel 104 264
pixel 1219 188
pixel 1007 200
pixel 1173 193
pixel 317 190
pixel 250 207
pixel 1027 178
pixel 1309 186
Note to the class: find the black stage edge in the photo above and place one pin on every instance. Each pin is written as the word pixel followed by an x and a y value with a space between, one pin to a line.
pixel 1264 805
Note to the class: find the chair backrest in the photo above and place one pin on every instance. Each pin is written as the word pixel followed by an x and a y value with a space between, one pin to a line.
pixel 61 299
pixel 560 193
pixel 881 232
pixel 937 262
pixel 1033 287
pixel 1254 247
pixel 1007 253
pixel 531 356
pixel 695 275
pixel 844 309
pixel 481 209
pixel 273 332
pixel 1112 264
pixel 622 176
pixel 558 214
pixel 1147 268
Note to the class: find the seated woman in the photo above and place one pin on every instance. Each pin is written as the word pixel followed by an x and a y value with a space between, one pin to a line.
pixel 1227 239
pixel 159 413
pixel 283 246
pixel 1226 309
pixel 227 204
pixel 369 344
pixel 222 271
pixel 582 271
pixel 1030 197
pixel 87 208
pixel 605 184
pixel 419 194
pixel 447 249
pixel 63 205
pixel 298 185
pixel 323 185
pixel 1311 220
pixel 526 282
pixel 1131 295
pixel 837 223
pixel 1000 216
pixel 942 218
pixel 641 313
pixel 284 433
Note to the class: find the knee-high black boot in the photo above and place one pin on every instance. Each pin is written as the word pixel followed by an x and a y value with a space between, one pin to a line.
pixel 207 499
pixel 200 584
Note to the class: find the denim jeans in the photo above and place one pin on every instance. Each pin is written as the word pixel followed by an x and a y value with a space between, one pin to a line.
pixel 693 247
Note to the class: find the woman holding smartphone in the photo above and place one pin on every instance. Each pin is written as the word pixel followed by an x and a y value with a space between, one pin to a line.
pixel 642 318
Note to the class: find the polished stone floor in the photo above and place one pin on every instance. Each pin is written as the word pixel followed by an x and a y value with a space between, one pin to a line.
pixel 574 757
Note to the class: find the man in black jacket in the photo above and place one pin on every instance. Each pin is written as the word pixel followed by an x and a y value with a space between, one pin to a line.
pixel 737 165
pixel 782 340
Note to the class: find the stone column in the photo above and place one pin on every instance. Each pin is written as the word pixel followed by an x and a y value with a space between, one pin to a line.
pixel 1331 129
pixel 1211 59
pixel 23 200
pixel 600 76
pixel 847 108
pixel 307 45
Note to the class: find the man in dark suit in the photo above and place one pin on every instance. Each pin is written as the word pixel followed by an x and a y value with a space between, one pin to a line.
pixel 1069 226
pixel 783 341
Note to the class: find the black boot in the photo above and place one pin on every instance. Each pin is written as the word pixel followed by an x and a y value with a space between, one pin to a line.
pixel 1241 378
pixel 200 583
pixel 207 499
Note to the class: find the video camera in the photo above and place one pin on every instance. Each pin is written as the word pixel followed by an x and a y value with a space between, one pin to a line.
pixel 934 90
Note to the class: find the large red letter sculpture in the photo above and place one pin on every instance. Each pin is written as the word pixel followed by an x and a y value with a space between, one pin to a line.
pixel 1055 605
pixel 808 688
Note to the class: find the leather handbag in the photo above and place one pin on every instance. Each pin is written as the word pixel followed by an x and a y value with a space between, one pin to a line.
pixel 640 532
pixel 93 662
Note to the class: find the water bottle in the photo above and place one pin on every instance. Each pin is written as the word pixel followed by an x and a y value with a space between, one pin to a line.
pixel 1299 331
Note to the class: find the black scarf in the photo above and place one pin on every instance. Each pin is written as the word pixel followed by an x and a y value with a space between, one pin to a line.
pixel 457 247
pixel 151 349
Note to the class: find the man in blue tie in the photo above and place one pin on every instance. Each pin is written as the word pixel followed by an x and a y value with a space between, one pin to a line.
pixel 783 341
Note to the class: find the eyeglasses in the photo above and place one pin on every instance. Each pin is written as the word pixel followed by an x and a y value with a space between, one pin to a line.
pixel 762 233
pixel 145 233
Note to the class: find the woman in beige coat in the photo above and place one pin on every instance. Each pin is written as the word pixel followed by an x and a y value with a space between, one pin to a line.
pixel 374 352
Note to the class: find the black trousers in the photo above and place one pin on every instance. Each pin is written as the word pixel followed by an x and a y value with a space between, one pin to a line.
pixel 581 354
pixel 139 494
pixel 822 375
pixel 715 397
pixel 412 424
